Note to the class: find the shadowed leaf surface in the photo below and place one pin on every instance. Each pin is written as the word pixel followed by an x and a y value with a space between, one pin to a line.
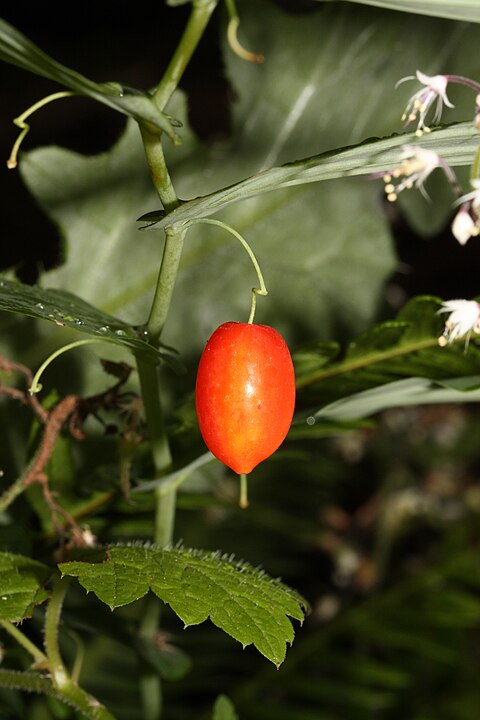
pixel 21 586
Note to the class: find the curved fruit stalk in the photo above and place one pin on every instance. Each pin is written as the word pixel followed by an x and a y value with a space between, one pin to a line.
pixel 245 394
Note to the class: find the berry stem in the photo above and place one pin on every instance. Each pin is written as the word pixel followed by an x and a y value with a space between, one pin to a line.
pixel 35 387
pixel 262 290
pixel 20 123
pixel 243 501
pixel 232 38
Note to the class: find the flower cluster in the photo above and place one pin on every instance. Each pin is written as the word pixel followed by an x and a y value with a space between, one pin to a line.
pixel 434 91
pixel 415 166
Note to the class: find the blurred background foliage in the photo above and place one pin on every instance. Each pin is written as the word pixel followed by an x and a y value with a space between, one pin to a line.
pixel 376 524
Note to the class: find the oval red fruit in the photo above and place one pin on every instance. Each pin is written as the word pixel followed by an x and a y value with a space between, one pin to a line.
pixel 245 394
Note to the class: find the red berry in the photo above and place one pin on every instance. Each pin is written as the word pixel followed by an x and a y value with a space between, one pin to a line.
pixel 245 394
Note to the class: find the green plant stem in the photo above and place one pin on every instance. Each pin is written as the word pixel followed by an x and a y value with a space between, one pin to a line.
pixel 60 677
pixel 36 386
pixel 20 122
pixel 199 17
pixel 87 705
pixel 38 656
pixel 12 492
pixel 61 683
pixel 262 289
pixel 150 684
pixel 28 681
pixel 148 374
pixel 243 501
pixel 149 388
pixel 165 515
pixel 475 169
pixel 165 502
pixel 172 253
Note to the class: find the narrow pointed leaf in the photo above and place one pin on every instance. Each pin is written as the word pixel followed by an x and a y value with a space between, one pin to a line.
pixel 458 10
pixel 403 393
pixel 456 145
pixel 243 601
pixel 18 50
pixel 68 310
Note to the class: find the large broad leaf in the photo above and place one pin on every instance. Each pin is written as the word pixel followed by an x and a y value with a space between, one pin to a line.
pixel 241 600
pixel 457 10
pixel 301 101
pixel 67 310
pixel 15 48
pixel 22 583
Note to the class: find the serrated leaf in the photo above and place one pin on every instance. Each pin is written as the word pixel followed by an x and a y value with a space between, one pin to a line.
pixel 458 10
pixel 21 586
pixel 223 709
pixel 241 600
pixel 67 310
pixel 18 50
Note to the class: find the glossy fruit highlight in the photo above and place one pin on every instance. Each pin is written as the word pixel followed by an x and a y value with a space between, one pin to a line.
pixel 245 394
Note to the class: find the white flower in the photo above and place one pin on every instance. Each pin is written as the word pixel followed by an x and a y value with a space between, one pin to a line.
pixel 464 319
pixel 472 197
pixel 418 106
pixel 415 167
pixel 463 226
pixel 466 223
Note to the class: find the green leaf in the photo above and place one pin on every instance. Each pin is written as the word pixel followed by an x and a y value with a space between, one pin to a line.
pixel 18 50
pixel 223 709
pixel 21 586
pixel 402 393
pixel 456 145
pixel 170 662
pixel 297 104
pixel 67 310
pixel 176 478
pixel 241 600
pixel 457 10
pixel 402 348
